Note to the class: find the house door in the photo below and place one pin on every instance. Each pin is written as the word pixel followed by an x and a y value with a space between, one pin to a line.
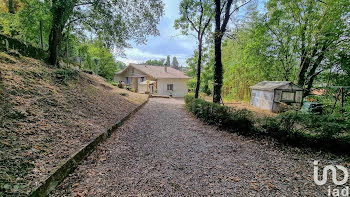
pixel 151 87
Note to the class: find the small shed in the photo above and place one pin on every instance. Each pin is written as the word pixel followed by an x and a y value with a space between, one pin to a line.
pixel 269 95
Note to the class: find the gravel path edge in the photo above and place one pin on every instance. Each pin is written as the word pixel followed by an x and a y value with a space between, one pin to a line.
pixel 68 166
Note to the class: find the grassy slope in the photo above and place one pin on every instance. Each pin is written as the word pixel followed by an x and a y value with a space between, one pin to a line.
pixel 48 114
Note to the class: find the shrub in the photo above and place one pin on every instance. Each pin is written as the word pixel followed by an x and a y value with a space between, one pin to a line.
pixel 64 75
pixel 114 83
pixel 292 127
pixel 221 116
pixel 321 131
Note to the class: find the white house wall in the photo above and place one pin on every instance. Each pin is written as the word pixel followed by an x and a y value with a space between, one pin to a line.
pixel 180 87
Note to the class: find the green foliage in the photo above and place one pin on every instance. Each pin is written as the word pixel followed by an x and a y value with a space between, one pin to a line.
pixel 292 127
pixel 25 24
pixel 65 75
pixel 194 16
pixel 99 59
pixel 113 83
pixel 249 58
pixel 292 41
pixel 206 85
pixel 320 131
pixel 311 32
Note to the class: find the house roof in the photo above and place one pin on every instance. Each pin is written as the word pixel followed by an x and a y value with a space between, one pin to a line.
pixel 158 72
pixel 271 85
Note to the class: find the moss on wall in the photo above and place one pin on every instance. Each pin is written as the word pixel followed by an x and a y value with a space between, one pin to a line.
pixel 7 43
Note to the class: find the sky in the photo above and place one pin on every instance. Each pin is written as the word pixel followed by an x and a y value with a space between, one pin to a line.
pixel 170 42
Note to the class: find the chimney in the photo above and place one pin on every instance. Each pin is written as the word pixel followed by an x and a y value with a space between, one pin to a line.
pixel 165 67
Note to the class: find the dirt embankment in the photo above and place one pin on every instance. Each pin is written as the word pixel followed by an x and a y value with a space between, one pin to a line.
pixel 48 114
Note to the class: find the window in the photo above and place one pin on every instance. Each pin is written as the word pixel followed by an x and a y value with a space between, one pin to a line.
pixel 288 96
pixel 132 70
pixel 142 79
pixel 170 87
pixel 126 80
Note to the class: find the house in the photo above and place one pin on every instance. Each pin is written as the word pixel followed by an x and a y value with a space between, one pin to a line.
pixel 160 80
pixel 269 95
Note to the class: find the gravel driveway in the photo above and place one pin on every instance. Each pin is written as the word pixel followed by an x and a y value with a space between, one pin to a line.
pixel 164 151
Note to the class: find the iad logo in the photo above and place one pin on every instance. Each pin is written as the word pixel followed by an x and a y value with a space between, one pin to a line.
pixel 333 171
pixel 334 174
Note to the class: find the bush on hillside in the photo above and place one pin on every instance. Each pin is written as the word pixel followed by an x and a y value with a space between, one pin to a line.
pixel 64 75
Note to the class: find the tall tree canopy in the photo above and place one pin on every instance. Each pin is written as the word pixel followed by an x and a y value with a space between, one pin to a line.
pixel 312 31
pixel 113 22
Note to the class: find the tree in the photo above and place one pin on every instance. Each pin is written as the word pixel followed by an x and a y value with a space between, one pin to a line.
pixel 11 9
pixel 318 29
pixel 113 22
pixel 195 15
pixel 247 57
pixel 99 59
pixel 206 85
pixel 175 63
pixel 223 12
pixel 167 60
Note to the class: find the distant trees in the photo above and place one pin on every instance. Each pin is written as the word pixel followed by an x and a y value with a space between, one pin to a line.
pixel 175 63
pixel 98 59
pixel 206 85
pixel 159 62
pixel 162 62
pixel 167 61
pixel 196 15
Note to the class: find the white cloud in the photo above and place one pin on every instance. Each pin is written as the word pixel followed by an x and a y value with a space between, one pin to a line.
pixel 135 55
pixel 170 42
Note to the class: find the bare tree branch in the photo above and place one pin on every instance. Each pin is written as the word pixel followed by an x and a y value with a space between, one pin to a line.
pixel 237 8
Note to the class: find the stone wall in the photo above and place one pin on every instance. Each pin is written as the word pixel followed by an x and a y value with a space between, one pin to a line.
pixel 7 43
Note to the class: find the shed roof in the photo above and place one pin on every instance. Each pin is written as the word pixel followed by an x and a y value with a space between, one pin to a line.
pixel 272 85
pixel 158 72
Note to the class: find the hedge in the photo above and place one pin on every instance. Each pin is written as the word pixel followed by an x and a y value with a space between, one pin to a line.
pixel 222 116
pixel 299 129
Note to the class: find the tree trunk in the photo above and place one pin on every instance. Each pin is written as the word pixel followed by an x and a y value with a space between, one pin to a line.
pixel 11 9
pixel 217 44
pixel 61 10
pixel 305 62
pixel 199 67
pixel 217 70
pixel 54 43
pixel 41 35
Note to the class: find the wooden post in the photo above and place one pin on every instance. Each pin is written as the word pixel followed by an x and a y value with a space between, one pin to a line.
pixel 342 100
pixel 336 99
pixel 67 47
pixel 67 44
pixel 41 35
